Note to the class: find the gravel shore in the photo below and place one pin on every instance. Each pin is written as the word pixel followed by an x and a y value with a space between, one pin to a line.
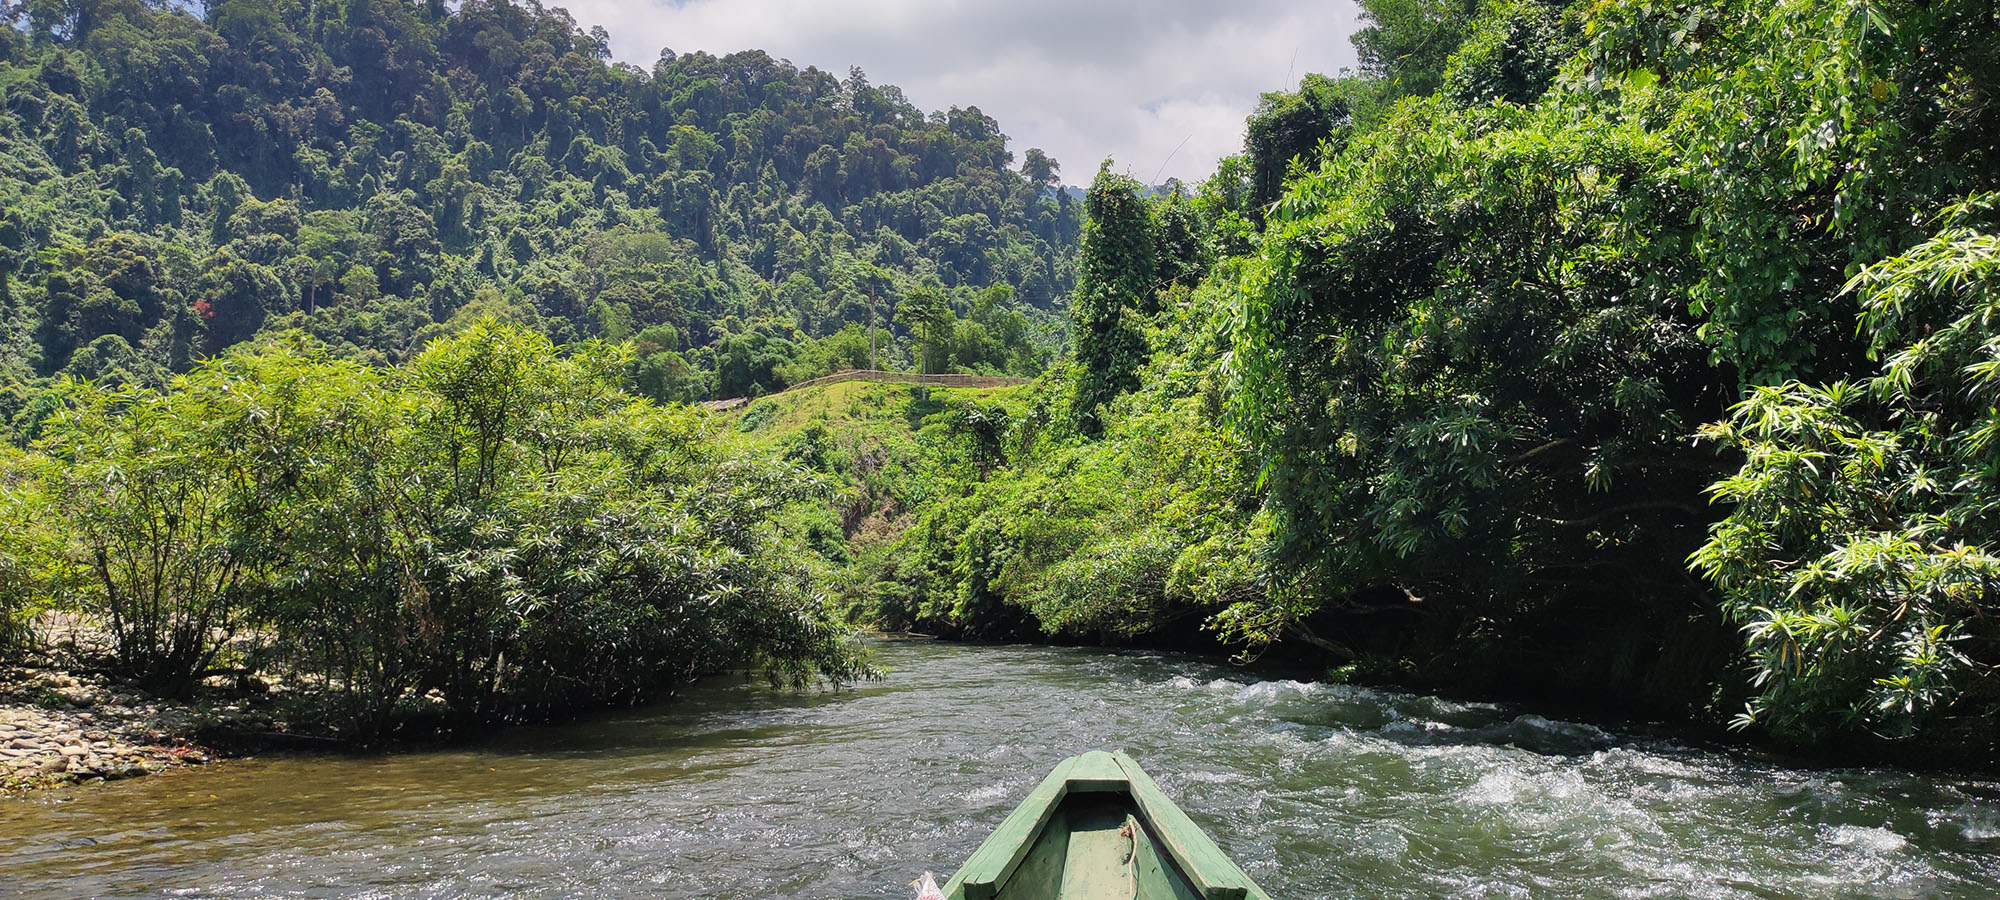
pixel 60 727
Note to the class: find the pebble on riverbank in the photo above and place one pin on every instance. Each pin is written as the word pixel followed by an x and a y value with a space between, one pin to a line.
pixel 61 728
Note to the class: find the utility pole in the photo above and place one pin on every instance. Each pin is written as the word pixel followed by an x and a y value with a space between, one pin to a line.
pixel 871 328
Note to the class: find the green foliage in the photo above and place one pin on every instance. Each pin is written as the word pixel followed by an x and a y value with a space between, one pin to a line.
pixel 1413 379
pixel 1513 52
pixel 1501 367
pixel 366 172
pixel 1817 135
pixel 890 452
pixel 1146 531
pixel 660 372
pixel 926 313
pixel 1473 345
pixel 29 579
pixel 852 347
pixel 1407 43
pixel 1114 290
pixel 1858 553
pixel 1431 409
pixel 1181 244
pixel 1017 524
pixel 496 524
pixel 1292 129
pixel 747 363
pixel 160 496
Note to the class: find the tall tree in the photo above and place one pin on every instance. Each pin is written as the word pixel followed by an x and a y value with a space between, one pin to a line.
pixel 1288 128
pixel 927 313
pixel 1115 284
pixel 1407 43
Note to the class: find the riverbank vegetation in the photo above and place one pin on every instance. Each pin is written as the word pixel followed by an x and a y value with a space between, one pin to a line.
pixel 1475 341
pixel 495 531
pixel 1633 353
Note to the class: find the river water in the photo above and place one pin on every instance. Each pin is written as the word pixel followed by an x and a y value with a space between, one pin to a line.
pixel 738 791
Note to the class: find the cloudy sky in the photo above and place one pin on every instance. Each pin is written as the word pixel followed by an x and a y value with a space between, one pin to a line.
pixel 1082 79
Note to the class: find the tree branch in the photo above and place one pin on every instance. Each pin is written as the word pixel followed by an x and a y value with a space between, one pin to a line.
pixel 1526 455
pixel 1626 507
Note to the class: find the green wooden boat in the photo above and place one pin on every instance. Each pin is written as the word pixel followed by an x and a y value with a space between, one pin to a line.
pixel 1097 828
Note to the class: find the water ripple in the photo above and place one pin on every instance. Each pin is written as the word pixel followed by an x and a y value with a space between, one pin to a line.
pixel 741 792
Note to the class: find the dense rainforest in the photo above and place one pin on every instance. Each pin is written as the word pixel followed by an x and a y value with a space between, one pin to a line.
pixel 336 337
pixel 1645 354
pixel 1642 354
pixel 379 173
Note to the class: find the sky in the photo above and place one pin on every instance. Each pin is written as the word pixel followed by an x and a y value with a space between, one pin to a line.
pixel 1162 87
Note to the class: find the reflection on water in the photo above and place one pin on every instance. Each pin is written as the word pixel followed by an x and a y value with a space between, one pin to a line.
pixel 742 792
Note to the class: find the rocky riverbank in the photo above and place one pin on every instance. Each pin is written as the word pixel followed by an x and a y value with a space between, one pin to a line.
pixel 60 727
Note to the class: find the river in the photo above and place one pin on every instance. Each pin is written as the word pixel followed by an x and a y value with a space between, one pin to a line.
pixel 739 791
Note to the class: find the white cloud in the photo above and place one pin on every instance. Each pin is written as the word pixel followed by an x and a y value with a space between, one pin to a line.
pixel 1081 79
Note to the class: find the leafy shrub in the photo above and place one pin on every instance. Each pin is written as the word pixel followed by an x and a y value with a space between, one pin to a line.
pixel 1858 551
pixel 25 538
pixel 497 525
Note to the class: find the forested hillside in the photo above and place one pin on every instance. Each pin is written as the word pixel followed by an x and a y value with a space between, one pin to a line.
pixel 1636 353
pixel 378 173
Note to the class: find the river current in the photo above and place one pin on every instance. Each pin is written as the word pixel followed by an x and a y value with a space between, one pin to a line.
pixel 741 792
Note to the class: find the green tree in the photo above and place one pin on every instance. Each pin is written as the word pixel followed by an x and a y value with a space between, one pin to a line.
pixel 1042 172
pixel 1180 244
pixel 1407 43
pixel 160 497
pixel 1857 551
pixel 1288 130
pixel 1115 288
pixel 1467 361
pixel 233 299
pixel 31 549
pixel 926 312
pixel 747 363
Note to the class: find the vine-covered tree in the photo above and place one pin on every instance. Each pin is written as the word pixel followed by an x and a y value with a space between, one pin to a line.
pixel 1115 290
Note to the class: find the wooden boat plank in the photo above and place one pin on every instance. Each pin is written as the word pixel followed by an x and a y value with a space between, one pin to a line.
pixel 1099 845
pixel 1163 878
pixel 1214 874
pixel 983 874
pixel 1097 771
pixel 1040 874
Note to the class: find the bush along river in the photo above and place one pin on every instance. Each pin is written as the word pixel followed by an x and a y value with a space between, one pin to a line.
pixel 739 791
